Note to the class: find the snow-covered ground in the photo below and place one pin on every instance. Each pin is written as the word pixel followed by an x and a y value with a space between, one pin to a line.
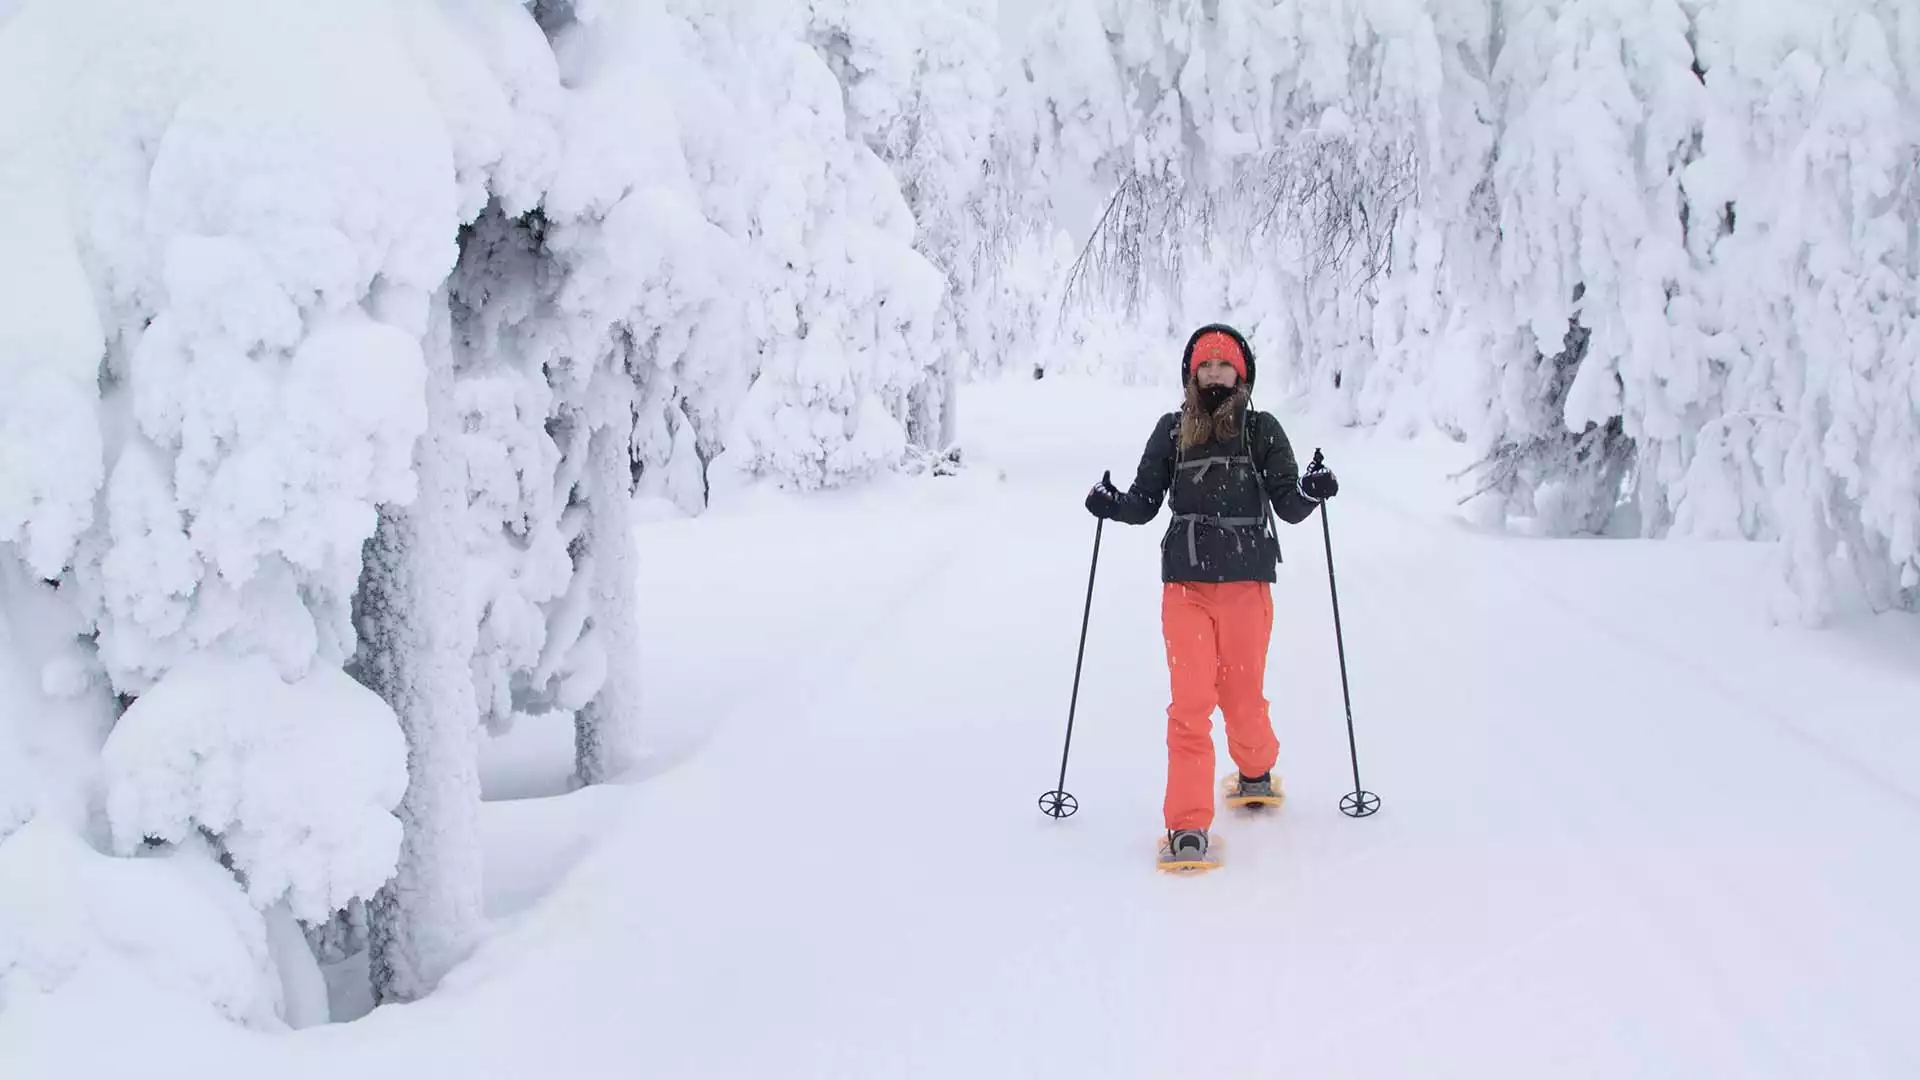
pixel 1630 828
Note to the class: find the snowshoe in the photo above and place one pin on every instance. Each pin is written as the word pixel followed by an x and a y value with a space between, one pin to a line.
pixel 1188 851
pixel 1261 794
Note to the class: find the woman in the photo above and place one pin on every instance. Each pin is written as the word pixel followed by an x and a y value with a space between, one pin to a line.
pixel 1226 464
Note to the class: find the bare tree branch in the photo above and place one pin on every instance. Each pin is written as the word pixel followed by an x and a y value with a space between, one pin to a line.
pixel 1326 208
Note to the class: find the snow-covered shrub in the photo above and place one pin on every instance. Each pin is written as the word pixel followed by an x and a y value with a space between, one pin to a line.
pixel 298 780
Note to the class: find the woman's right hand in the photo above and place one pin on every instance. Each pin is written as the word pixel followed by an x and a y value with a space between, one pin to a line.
pixel 1103 501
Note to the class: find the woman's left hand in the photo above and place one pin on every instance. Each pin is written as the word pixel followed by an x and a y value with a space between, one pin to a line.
pixel 1319 485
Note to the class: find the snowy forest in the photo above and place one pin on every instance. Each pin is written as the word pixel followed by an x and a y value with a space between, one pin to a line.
pixel 343 346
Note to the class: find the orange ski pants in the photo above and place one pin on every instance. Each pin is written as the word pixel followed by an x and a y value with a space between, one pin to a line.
pixel 1217 636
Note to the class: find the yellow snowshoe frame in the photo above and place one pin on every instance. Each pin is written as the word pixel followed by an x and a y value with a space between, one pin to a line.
pixel 1188 866
pixel 1230 785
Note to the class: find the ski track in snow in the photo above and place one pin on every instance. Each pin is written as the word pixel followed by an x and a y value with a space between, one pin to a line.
pixel 1597 857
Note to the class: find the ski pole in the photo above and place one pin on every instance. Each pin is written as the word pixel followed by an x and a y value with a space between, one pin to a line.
pixel 1359 802
pixel 1057 803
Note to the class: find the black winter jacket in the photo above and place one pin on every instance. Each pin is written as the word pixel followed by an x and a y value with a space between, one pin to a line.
pixel 1221 530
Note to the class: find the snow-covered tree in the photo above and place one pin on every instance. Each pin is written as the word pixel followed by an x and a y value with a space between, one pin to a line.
pixel 253 236
pixel 1812 146
pixel 577 322
pixel 1620 246
pixel 845 309
pixel 254 225
pixel 641 328
pixel 428 585
pixel 1259 159
pixel 919 82
pixel 1598 108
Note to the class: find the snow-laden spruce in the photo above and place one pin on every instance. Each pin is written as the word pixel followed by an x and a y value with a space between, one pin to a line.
pixel 920 81
pixel 245 214
pixel 1585 350
pixel 262 198
pixel 1811 160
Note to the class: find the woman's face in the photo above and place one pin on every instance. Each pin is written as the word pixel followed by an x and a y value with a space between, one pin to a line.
pixel 1217 373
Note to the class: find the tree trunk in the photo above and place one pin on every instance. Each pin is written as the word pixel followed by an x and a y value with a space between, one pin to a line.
pixel 417 640
pixel 606 731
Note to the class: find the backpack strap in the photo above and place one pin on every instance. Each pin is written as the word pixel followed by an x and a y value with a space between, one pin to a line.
pixel 1230 524
pixel 1206 463
pixel 1259 480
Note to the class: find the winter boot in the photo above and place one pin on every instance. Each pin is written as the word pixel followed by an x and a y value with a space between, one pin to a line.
pixel 1253 794
pixel 1187 851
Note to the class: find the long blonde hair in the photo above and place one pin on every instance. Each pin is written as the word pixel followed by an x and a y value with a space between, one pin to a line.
pixel 1197 426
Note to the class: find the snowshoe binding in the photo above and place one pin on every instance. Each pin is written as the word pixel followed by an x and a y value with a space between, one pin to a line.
pixel 1259 793
pixel 1188 851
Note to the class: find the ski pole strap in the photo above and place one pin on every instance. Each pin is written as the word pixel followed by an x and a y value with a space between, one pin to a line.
pixel 1230 524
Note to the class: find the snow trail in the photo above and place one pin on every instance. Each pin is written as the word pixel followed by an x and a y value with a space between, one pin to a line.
pixel 1590 862
pixel 1616 840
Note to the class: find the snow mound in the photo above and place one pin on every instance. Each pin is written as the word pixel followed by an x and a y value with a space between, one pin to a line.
pixel 174 925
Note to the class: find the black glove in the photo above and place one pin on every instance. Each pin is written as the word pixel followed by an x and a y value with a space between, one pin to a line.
pixel 1103 501
pixel 1319 484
